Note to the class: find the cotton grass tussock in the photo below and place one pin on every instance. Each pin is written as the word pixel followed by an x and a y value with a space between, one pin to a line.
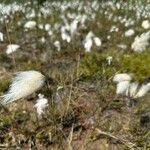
pixel 141 42
pixel 41 104
pixel 24 84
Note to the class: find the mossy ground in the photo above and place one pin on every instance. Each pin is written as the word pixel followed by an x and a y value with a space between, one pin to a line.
pixel 87 103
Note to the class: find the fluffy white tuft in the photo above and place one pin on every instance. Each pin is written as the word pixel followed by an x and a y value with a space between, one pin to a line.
pixel 40 105
pixel 57 45
pixel 30 25
pixel 122 46
pixel 129 32
pixel 24 84
pixel 146 24
pixel 1 37
pixel 143 90
pixel 12 48
pixel 109 60
pixel 141 42
pixel 131 91
pixel 122 87
pixel 88 42
pixel 122 77
pixel 88 45
pixel 97 41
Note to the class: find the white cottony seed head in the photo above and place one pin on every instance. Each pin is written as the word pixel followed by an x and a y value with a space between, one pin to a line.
pixel 41 103
pixel 122 77
pixel 23 85
pixel 122 87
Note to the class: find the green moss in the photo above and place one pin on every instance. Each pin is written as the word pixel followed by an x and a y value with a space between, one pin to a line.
pixel 5 122
pixel 116 104
pixel 90 65
pixel 4 84
pixel 138 64
pixel 95 65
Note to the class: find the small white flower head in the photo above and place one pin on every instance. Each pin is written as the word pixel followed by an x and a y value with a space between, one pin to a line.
pixel 109 60
pixel 12 48
pixel 73 27
pixel 146 24
pixel 41 104
pixel 123 82
pixel 1 37
pixel 141 42
pixel 143 90
pixel 88 41
pixel 42 40
pixel 122 46
pixel 30 25
pixel 108 37
pixel 57 45
pixel 40 26
pixel 88 45
pixel 129 32
pixel 50 32
pixel 122 77
pixel 122 87
pixel 24 84
pixel 114 29
pixel 97 41
pixel 47 27
pixel 65 36
pixel 89 35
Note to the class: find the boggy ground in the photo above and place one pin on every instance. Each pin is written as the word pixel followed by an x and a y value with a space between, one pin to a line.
pixel 85 113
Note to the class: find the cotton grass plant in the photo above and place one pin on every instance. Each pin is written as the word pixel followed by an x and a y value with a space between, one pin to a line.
pixel 141 42
pixel 41 104
pixel 23 84
pixel 128 88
